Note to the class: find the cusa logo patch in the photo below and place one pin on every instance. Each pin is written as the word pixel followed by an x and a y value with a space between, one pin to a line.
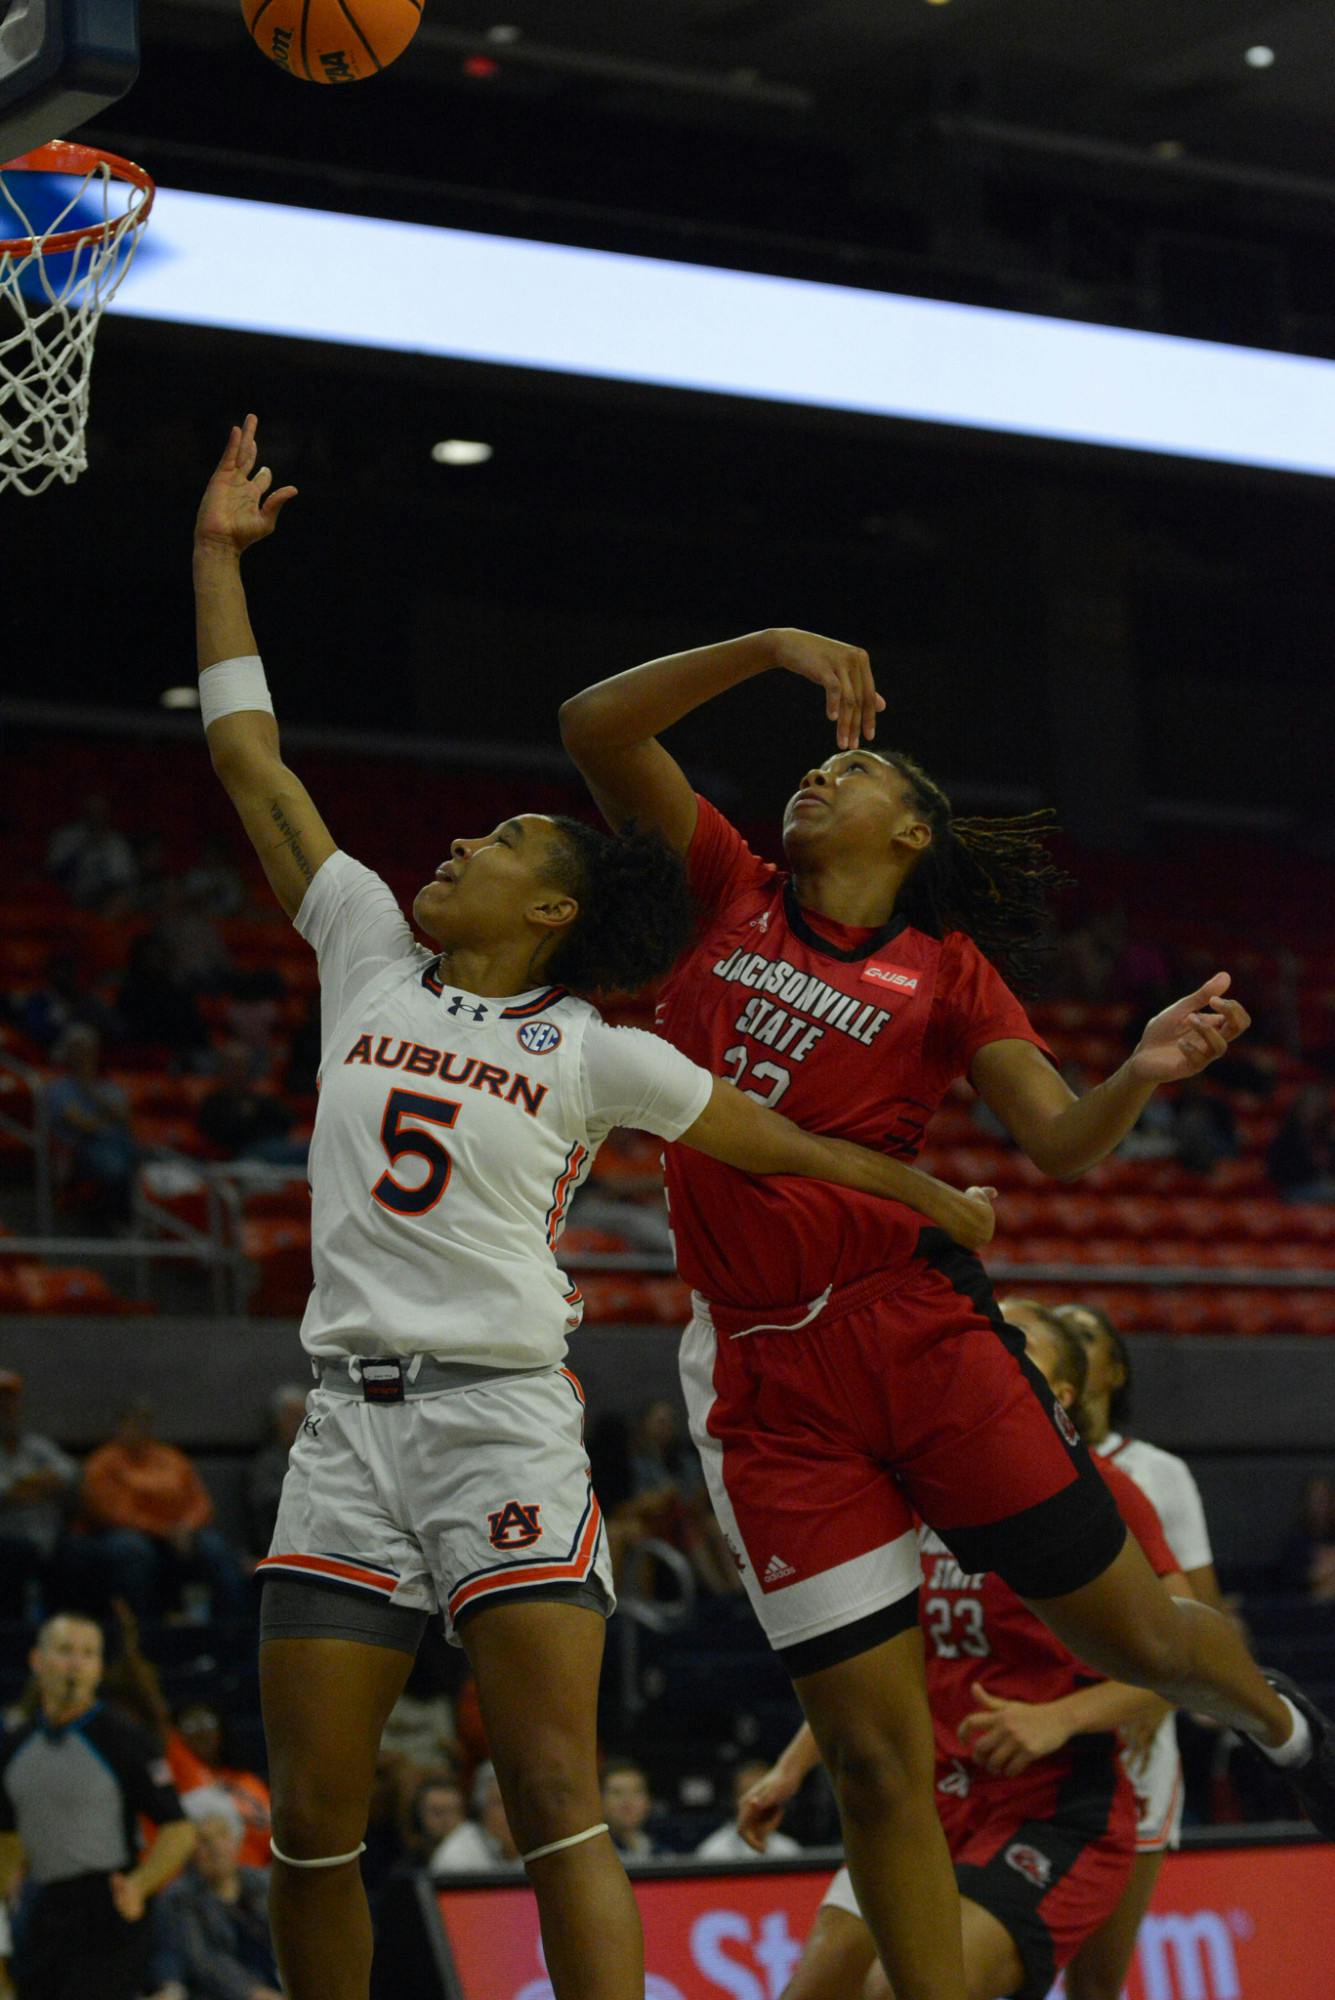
pixel 1027 1861
pixel 515 1525
pixel 881 973
pixel 1065 1424
pixel 539 1037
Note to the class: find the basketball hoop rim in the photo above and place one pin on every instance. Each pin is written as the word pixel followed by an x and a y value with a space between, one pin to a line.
pixel 63 156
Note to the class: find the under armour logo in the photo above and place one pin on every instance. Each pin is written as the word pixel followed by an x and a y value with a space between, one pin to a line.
pixel 311 1425
pixel 459 1005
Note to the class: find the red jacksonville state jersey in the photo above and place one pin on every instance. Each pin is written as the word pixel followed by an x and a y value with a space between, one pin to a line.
pixel 852 1032
pixel 978 1632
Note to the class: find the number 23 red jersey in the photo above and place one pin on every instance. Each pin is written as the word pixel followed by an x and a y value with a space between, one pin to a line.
pixel 852 1032
pixel 977 1631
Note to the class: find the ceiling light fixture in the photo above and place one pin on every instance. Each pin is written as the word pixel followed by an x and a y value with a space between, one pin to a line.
pixel 182 697
pixel 1259 56
pixel 461 451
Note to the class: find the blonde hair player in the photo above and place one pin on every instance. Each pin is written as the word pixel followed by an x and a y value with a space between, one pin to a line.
pixel 464 1092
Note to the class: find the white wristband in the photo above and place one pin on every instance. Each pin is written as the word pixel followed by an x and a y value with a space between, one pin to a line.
pixel 231 686
pixel 6 1935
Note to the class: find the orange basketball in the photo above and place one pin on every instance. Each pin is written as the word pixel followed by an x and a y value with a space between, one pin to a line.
pixel 332 41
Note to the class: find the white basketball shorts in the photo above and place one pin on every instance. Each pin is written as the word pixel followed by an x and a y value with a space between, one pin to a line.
pixel 445 1500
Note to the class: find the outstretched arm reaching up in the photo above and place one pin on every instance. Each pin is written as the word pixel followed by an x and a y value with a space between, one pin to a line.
pixel 611 730
pixel 285 829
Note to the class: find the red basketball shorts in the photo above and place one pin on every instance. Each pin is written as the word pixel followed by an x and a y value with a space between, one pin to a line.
pixel 905 1396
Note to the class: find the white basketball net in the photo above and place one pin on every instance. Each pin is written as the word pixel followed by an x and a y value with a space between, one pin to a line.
pixel 50 308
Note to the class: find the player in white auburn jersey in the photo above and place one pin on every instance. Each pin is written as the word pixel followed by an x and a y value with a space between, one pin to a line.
pixel 1100 1969
pixel 441 1466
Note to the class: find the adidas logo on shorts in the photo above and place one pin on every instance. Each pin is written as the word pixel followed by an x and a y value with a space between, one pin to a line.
pixel 777 1571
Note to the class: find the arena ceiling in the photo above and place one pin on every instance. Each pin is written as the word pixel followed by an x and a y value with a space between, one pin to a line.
pixel 1116 159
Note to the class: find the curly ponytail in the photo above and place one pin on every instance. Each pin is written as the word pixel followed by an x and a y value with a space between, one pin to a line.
pixel 992 878
pixel 635 911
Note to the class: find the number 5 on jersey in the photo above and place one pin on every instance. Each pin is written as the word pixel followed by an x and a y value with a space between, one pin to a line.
pixel 402 1141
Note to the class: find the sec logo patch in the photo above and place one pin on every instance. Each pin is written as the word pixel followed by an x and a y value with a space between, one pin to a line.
pixel 538 1037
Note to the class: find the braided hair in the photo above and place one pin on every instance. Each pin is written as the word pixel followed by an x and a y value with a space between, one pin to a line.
pixel 635 911
pixel 992 878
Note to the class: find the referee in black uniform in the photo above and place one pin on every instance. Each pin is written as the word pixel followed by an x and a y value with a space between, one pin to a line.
pixel 73 1784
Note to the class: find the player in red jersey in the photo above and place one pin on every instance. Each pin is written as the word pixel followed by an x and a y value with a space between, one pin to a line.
pixel 845 1367
pixel 1038 1810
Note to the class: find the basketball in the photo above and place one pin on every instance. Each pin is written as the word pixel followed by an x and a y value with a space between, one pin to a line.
pixel 332 41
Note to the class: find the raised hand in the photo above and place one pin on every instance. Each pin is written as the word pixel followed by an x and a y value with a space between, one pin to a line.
pixel 238 507
pixel 1191 1034
pixel 851 701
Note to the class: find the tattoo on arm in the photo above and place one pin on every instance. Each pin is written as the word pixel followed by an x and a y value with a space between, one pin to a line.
pixel 290 839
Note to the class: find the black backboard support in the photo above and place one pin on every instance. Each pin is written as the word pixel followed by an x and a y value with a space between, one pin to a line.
pixel 61 62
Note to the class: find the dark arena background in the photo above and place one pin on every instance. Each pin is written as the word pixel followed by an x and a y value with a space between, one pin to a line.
pixel 1093 570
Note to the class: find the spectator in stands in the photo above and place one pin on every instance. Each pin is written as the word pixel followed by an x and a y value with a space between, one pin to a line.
pixel 194 954
pixel 153 879
pixel 153 1010
pixel 219 1907
pixel 627 1804
pixel 435 1810
pixel 214 885
pixel 90 1122
pixel 245 1123
pixel 1308 1562
pixel 726 1843
pixel 669 1492
pixel 37 1486
pixel 201 1757
pixel 45 1011
pixel 1205 1129
pixel 150 1520
pixel 1301 1160
pixel 92 862
pixel 420 1726
pixel 483 1842
pixel 268 1468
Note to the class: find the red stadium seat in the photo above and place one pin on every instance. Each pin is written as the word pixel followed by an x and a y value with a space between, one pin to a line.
pixel 66 1290
pixel 281 1252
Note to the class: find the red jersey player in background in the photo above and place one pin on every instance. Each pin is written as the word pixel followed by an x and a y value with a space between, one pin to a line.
pixel 844 1367
pixel 1038 1810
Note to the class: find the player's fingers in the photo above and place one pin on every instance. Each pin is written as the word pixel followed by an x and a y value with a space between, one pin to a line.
pixel 1217 983
pixel 850 713
pixel 1214 1040
pixel 229 450
pixel 988 1700
pixel 1237 1018
pixel 275 503
pixel 262 481
pixel 867 690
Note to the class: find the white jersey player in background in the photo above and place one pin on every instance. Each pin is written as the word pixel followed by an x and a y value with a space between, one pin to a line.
pixel 441 1465
pixel 1099 1970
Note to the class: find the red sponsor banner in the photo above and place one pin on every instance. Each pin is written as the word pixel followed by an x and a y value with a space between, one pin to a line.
pixel 1237 1923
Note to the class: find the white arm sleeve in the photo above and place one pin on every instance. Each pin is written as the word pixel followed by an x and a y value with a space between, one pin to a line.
pixel 634 1078
pixel 1182 1513
pixel 356 928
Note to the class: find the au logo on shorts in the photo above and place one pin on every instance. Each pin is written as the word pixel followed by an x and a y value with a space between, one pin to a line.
pixel 1027 1861
pixel 539 1037
pixel 515 1525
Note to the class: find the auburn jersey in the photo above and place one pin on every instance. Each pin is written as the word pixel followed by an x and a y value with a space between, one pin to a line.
pixel 852 1032
pixel 453 1131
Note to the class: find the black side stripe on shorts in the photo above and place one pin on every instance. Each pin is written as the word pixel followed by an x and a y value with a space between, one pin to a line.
pixel 1014 1893
pixel 1061 1543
